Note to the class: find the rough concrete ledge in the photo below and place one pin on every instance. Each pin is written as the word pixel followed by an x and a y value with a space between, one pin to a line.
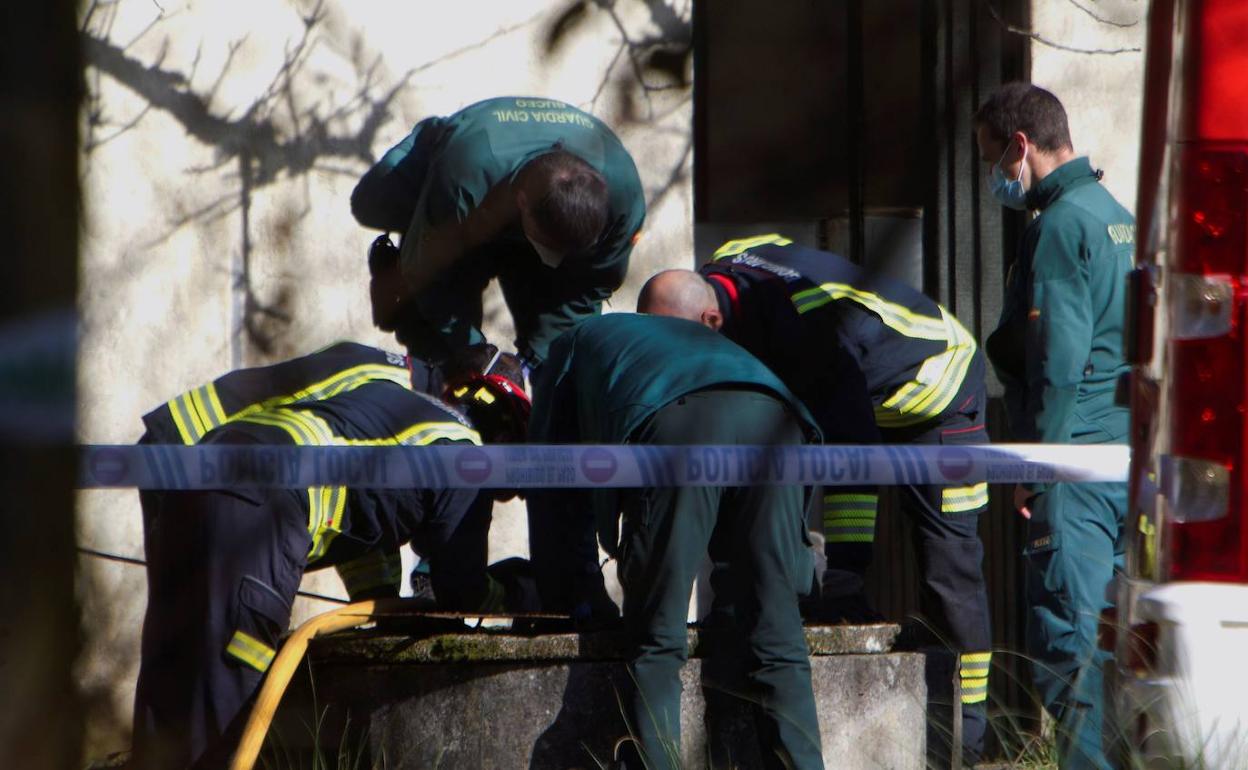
pixel 497 700
pixel 372 647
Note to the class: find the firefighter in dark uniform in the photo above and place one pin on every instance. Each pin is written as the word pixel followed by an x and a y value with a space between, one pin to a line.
pixel 924 375
pixel 634 378
pixel 532 191
pixel 224 566
pixel 339 368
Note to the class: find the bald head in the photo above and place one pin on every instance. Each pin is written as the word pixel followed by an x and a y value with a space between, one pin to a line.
pixel 681 294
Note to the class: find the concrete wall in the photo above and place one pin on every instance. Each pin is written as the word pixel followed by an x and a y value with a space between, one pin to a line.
pixel 1090 54
pixel 220 144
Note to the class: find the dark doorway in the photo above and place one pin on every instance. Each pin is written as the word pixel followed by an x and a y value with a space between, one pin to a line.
pixel 847 126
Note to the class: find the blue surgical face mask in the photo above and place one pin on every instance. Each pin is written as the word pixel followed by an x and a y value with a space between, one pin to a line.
pixel 1009 193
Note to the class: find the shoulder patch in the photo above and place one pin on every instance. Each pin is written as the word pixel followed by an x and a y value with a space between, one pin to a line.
pixel 1121 233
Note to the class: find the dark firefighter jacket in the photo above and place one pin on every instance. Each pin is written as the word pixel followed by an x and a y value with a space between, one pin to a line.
pixel 333 371
pixel 802 310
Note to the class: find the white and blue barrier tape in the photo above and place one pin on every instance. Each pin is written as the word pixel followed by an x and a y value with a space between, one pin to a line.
pixel 220 466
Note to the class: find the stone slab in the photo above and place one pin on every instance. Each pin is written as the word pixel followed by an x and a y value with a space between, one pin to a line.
pixel 459 702
pixel 487 645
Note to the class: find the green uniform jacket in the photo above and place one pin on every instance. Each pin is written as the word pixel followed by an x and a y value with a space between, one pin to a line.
pixel 604 378
pixel 445 167
pixel 1058 346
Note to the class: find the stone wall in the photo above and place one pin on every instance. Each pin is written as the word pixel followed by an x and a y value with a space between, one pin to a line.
pixel 1090 54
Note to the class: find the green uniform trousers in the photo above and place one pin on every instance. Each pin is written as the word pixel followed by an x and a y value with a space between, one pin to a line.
pixel 759 534
pixel 1074 544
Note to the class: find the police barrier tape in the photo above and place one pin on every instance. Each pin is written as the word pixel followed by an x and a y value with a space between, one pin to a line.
pixel 542 467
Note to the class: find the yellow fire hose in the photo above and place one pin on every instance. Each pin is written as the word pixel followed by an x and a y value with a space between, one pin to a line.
pixel 292 652
pixel 287 661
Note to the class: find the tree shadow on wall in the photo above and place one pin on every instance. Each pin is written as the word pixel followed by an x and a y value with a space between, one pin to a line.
pixel 273 138
pixel 642 67
pixel 276 137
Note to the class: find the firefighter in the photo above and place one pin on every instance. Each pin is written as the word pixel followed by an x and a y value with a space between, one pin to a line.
pixel 924 378
pixel 338 368
pixel 224 565
pixel 532 191
pixel 625 377
pixel 1058 351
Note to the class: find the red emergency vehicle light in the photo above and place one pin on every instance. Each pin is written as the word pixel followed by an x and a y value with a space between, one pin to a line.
pixel 1206 523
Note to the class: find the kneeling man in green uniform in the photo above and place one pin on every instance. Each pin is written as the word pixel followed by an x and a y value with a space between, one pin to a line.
pixel 531 191
pixel 654 380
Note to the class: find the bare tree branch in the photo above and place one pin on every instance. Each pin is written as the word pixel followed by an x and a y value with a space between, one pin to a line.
pixel 606 76
pixel 91 143
pixel 1051 43
pixel 1102 19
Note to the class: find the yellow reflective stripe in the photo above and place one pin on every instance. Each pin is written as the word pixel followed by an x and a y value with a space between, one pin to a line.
pixel 975 693
pixel 939 380
pixel 897 317
pixel 976 664
pixel 191 414
pixel 200 410
pixel 316 515
pixel 974 676
pixel 373 570
pixel 322 434
pixel 327 504
pixel 214 402
pixel 421 434
pixel 186 428
pixel 849 517
pixel 841 537
pixel 963 499
pixel 250 650
pixel 203 405
pixel 734 247
pixel 850 497
pixel 297 431
pixel 946 387
pixel 325 518
pixel 340 382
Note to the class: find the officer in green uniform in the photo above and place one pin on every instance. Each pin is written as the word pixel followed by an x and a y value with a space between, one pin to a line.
pixel 532 191
pixel 653 380
pixel 1058 350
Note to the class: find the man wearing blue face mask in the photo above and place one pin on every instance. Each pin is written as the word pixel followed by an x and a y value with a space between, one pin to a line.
pixel 1058 351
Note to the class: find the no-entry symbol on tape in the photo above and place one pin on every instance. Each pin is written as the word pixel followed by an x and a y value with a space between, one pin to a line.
pixel 473 466
pixel 109 466
pixel 954 463
pixel 598 465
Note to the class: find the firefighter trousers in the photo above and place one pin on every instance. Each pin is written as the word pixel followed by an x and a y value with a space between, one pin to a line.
pixel 953 596
pixel 223 569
